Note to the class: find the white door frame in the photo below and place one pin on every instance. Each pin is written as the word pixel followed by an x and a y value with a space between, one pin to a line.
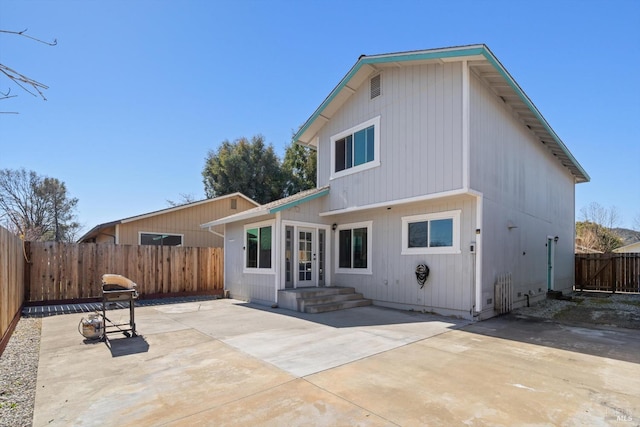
pixel 310 257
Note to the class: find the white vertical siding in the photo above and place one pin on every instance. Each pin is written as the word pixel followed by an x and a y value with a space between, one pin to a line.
pixel 254 287
pixel 420 113
pixel 261 287
pixel 524 183
pixel 449 288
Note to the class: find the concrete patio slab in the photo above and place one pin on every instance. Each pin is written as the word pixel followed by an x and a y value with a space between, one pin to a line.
pixel 226 362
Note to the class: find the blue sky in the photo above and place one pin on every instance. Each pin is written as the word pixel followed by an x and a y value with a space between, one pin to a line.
pixel 140 91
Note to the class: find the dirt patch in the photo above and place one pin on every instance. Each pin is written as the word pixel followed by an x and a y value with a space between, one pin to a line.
pixel 601 309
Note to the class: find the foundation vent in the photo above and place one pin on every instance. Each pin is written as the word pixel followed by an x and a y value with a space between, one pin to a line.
pixel 504 293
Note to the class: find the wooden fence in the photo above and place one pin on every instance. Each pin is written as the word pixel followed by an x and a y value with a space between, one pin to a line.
pixel 66 271
pixel 610 272
pixel 11 284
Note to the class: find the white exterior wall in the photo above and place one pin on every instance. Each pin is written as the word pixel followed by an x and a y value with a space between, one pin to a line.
pixel 251 287
pixel 260 287
pixel 420 113
pixel 449 288
pixel 521 183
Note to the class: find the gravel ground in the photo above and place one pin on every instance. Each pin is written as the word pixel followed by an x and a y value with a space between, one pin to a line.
pixel 18 374
pixel 589 308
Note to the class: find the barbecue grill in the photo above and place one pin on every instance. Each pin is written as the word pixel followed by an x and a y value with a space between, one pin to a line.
pixel 117 288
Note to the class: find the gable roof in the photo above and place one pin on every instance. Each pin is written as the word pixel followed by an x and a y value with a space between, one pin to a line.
pixel 630 248
pixel 273 207
pixel 481 61
pixel 98 228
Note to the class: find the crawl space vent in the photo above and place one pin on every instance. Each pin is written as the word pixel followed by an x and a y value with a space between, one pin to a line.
pixel 375 86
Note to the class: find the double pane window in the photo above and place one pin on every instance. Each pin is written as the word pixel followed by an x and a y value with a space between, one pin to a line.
pixel 431 233
pixel 258 247
pixel 354 247
pixel 355 149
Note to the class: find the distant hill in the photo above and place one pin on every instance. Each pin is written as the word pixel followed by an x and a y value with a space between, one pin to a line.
pixel 628 236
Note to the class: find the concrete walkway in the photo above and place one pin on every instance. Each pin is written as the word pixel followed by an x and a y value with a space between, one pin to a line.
pixel 225 362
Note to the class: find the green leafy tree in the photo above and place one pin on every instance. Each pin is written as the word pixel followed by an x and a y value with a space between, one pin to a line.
pixel 37 208
pixel 299 169
pixel 247 166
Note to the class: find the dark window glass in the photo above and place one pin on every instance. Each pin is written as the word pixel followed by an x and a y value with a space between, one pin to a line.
pixel 265 247
pixel 360 248
pixel 370 144
pixel 340 154
pixel 348 148
pixel 441 232
pixel 160 239
pixel 418 234
pixel 252 248
pixel 345 249
pixel 360 147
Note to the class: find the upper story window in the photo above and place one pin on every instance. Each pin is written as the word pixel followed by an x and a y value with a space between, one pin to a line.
pixel 437 233
pixel 356 149
pixel 160 239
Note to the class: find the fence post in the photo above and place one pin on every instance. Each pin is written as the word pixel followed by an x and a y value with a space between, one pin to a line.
pixel 615 261
pixel 26 246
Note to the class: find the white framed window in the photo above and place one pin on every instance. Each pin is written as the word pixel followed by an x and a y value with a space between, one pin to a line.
pixel 353 248
pixel 356 149
pixel 160 239
pixel 436 233
pixel 259 247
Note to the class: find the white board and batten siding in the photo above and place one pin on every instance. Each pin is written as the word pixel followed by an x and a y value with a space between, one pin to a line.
pixel 260 287
pixel 527 196
pixel 253 287
pixel 420 112
pixel 392 282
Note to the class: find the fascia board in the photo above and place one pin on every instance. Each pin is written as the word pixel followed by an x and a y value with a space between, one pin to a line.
pixel 381 59
pixel 534 110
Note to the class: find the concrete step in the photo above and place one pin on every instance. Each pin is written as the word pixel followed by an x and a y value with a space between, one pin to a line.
pixel 320 300
pixel 334 306
pixel 329 298
pixel 304 293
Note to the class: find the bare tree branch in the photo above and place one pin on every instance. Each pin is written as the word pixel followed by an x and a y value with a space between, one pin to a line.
pixel 23 34
pixel 20 79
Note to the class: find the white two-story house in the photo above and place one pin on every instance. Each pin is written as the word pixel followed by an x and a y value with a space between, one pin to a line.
pixel 433 157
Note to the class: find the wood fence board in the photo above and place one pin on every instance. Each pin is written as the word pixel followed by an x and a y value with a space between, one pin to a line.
pixel 12 268
pixel 70 271
pixel 611 272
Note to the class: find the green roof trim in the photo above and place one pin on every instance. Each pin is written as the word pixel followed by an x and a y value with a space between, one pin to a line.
pixel 524 98
pixel 380 59
pixel 300 201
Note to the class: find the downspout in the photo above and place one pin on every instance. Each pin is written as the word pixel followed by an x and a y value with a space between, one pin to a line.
pixel 276 240
pixel 478 281
pixel 212 231
pixel 224 258
pixel 476 308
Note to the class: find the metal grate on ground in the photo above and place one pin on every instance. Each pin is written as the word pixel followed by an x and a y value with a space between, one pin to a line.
pixel 89 307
